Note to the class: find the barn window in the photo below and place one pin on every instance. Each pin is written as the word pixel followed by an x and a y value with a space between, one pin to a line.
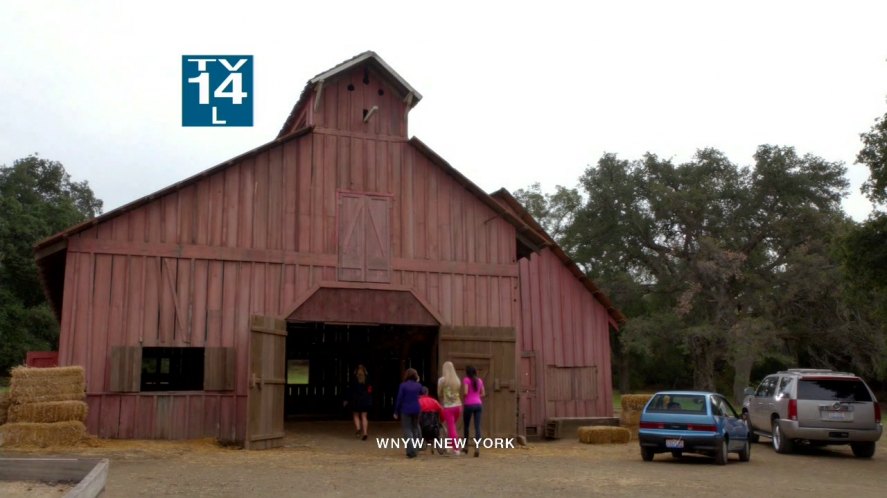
pixel 172 369
pixel 364 238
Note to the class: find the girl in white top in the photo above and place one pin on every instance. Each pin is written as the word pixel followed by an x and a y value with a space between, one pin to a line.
pixel 448 390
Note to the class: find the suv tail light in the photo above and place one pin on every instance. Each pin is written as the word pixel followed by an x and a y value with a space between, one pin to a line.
pixel 877 412
pixel 793 409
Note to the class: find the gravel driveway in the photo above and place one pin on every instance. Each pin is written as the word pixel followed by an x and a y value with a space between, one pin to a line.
pixel 325 459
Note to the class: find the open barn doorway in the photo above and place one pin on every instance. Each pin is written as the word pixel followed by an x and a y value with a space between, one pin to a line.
pixel 321 358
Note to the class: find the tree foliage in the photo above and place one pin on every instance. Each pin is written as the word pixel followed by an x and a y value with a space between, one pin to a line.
pixel 717 266
pixel 874 155
pixel 37 198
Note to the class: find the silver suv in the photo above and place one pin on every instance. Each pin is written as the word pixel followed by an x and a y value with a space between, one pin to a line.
pixel 816 406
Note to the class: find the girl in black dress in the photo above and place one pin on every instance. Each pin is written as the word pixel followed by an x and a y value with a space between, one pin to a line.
pixel 360 397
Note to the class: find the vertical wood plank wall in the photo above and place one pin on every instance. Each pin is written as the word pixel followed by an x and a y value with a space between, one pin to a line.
pixel 566 327
pixel 189 268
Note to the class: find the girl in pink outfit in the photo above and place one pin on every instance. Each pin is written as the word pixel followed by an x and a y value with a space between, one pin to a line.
pixel 448 393
pixel 473 390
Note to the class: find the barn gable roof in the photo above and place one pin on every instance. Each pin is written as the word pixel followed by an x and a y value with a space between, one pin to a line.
pixel 50 252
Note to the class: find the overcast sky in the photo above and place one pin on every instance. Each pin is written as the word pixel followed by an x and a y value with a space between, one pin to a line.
pixel 512 94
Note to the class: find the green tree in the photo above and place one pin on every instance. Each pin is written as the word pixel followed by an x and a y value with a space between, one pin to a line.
pixel 699 250
pixel 37 198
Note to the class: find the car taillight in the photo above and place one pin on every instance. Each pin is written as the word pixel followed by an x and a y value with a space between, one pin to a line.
pixel 877 412
pixel 701 428
pixel 652 425
pixel 793 409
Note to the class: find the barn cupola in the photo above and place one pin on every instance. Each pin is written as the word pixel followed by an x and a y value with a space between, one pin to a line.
pixel 361 96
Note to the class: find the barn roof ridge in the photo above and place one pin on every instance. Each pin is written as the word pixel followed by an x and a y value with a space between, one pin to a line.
pixel 368 56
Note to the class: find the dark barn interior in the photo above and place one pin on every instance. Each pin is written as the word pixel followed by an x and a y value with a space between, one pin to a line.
pixel 322 357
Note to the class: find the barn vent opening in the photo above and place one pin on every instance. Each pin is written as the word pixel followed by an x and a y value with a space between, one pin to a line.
pixel 366 76
pixel 321 359
pixel 350 87
pixel 365 111
pixel 381 92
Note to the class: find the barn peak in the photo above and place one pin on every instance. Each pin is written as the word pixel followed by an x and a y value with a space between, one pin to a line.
pixel 362 95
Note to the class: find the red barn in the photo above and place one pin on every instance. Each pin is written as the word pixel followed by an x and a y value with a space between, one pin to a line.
pixel 246 294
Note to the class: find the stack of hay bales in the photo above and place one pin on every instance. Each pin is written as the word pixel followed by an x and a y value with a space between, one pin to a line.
pixel 46 407
pixel 632 406
pixel 601 434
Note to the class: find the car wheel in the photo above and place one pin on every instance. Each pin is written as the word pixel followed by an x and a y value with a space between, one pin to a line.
pixel 780 443
pixel 863 450
pixel 677 453
pixel 721 453
pixel 647 454
pixel 745 452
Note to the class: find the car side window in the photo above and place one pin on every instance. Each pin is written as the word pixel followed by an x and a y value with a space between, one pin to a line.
pixel 716 408
pixel 727 408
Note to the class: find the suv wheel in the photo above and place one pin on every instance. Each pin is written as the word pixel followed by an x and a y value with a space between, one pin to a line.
pixel 780 443
pixel 721 453
pixel 863 450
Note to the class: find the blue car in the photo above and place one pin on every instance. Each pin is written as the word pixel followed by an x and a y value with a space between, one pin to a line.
pixel 679 422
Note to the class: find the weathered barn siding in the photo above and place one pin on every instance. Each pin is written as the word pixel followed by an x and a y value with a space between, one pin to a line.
pixel 190 268
pixel 565 344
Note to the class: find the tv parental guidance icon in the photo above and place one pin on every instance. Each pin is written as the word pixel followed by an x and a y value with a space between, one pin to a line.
pixel 217 90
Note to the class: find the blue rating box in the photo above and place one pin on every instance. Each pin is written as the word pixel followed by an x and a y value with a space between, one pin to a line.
pixel 217 90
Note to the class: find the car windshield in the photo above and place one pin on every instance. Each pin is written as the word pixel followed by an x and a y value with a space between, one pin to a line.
pixel 833 390
pixel 681 403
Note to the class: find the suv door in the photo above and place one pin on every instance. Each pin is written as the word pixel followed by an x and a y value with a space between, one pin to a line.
pixel 760 406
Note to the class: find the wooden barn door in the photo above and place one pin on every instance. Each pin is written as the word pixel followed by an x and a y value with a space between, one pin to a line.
pixel 267 381
pixel 491 351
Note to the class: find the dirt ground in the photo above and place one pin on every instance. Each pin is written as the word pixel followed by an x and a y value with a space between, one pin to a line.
pixel 325 459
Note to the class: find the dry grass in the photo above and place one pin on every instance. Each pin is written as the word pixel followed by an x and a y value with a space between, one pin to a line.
pixel 604 435
pixel 42 435
pixel 52 411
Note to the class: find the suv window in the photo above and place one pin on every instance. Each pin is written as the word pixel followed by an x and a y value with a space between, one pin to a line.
pixel 833 390
pixel 768 385
pixel 784 386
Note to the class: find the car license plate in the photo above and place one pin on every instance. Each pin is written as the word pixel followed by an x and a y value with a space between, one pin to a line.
pixel 674 443
pixel 837 415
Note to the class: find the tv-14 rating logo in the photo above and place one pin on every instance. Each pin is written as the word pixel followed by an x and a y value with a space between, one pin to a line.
pixel 217 90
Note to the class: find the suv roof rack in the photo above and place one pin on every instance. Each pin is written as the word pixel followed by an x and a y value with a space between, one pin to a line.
pixel 803 371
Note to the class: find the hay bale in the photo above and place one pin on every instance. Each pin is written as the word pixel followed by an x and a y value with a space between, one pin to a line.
pixel 48 412
pixel 630 418
pixel 634 402
pixel 604 435
pixel 42 435
pixel 22 372
pixel 4 406
pixel 40 385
